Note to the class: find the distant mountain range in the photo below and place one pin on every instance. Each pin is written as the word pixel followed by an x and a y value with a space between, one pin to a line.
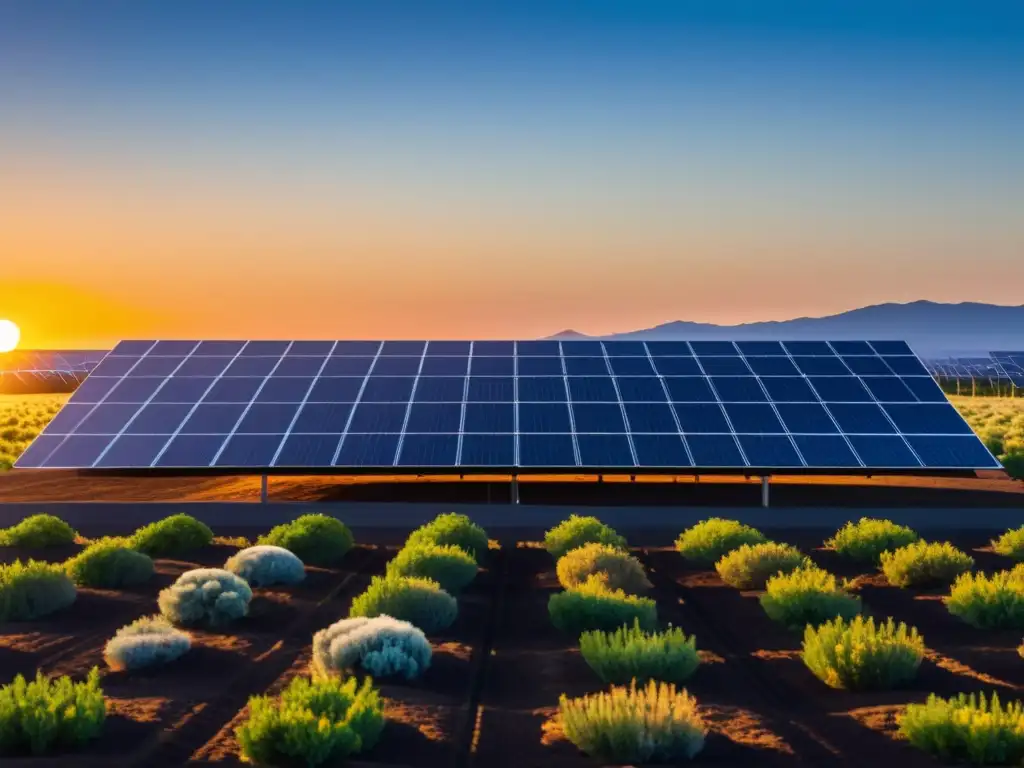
pixel 934 330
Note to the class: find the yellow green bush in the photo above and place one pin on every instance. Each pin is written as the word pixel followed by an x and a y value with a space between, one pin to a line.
pixel 592 605
pixel 866 540
pixel 620 570
pixel 33 589
pixel 988 602
pixel 577 531
pixel 631 653
pixel 751 565
pixel 709 540
pixel 655 723
pixel 999 421
pixel 37 532
pixel 45 715
pixel 22 418
pixel 805 596
pixel 925 564
pixel 860 655
pixel 315 539
pixel 452 530
pixel 450 566
pixel 1011 543
pixel 967 728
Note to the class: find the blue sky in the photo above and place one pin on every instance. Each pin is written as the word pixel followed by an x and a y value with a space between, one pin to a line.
pixel 461 169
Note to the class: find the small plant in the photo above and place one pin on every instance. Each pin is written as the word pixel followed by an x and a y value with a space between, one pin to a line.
pixel 630 653
pixel 173 536
pixel 967 728
pixel 925 564
pixel 450 566
pixel 592 605
pixel 421 602
pixel 805 596
pixel 751 565
pixel 382 646
pixel 988 602
pixel 264 565
pixel 709 540
pixel 866 540
pixel 109 564
pixel 313 722
pixel 452 530
pixel 146 642
pixel 858 655
pixel 38 531
pixel 33 589
pixel 1011 544
pixel 205 596
pixel 315 539
pixel 656 723
pixel 45 715
pixel 576 531
pixel 619 569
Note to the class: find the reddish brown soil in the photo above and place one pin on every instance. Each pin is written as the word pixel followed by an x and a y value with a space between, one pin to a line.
pixel 489 698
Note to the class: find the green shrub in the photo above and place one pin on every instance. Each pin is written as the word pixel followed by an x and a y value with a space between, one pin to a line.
pixel 866 540
pixel 109 565
pixel 656 723
pixel 315 539
pixel 38 531
pixel 858 655
pixel 205 596
pixel 33 589
pixel 1011 544
pixel 630 653
pixel 988 602
pixel 173 536
pixel 450 566
pixel 805 596
pixel 751 565
pixel 452 530
pixel 593 605
pixel 421 602
pixel 383 646
pixel 622 570
pixel 967 729
pixel 265 565
pixel 146 642
pixel 709 540
pixel 314 722
pixel 1013 463
pixel 577 531
pixel 46 715
pixel 925 564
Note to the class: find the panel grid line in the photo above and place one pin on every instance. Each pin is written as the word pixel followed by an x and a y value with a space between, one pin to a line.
pixel 101 401
pixel 824 407
pixel 110 444
pixel 568 406
pixel 195 407
pixel 885 413
pixel 408 407
pixel 775 410
pixel 671 407
pixel 515 398
pixel 462 410
pixel 248 406
pixel 622 405
pixel 298 411
pixel 721 406
pixel 355 404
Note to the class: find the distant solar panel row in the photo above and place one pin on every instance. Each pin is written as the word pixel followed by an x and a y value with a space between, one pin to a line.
pixel 494 404
pixel 1012 366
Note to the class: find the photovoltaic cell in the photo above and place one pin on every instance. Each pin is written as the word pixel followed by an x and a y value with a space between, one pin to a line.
pixel 595 404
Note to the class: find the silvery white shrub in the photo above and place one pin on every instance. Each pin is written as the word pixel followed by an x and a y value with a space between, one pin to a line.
pixel 381 645
pixel 205 595
pixel 146 642
pixel 266 564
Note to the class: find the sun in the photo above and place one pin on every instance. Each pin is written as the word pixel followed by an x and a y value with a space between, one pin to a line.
pixel 10 335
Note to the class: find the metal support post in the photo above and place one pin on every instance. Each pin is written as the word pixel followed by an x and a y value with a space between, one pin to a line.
pixel 263 489
pixel 764 491
pixel 515 489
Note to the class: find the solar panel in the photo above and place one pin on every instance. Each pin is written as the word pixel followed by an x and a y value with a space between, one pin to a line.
pixel 526 405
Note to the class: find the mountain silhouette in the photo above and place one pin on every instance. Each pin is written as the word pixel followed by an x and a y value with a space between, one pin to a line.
pixel 933 329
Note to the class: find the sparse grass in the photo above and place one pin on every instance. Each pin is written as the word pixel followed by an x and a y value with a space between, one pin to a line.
pixel 22 417
pixel 999 421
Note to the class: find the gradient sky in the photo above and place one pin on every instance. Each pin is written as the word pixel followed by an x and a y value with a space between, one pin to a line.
pixel 408 169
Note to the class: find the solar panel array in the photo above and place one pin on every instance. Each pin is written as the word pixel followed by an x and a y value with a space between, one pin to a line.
pixel 1011 365
pixel 67 365
pixel 966 368
pixel 514 405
